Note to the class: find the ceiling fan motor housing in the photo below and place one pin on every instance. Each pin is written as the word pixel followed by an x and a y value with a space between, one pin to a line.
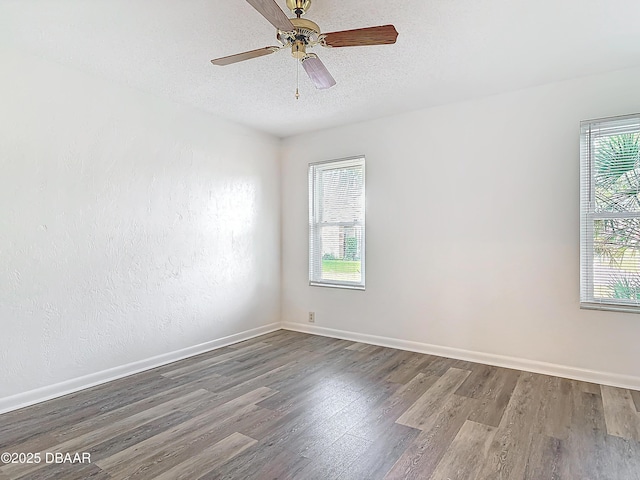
pixel 305 34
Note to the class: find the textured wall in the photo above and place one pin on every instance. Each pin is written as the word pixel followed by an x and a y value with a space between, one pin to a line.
pixel 472 228
pixel 129 227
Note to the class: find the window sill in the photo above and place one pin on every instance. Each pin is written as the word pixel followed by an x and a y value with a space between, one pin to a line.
pixel 609 307
pixel 335 285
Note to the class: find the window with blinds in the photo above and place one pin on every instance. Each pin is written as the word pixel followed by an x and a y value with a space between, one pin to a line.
pixel 610 213
pixel 336 223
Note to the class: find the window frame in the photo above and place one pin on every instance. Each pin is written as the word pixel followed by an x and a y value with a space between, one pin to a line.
pixel 588 213
pixel 314 231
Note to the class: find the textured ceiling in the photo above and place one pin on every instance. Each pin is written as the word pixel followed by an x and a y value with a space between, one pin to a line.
pixel 447 51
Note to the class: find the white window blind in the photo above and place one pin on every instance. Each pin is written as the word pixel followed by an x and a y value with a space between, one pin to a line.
pixel 610 213
pixel 336 223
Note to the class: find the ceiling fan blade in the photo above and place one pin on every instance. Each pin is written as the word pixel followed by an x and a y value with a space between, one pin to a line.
pixel 317 72
pixel 240 57
pixel 270 10
pixel 383 35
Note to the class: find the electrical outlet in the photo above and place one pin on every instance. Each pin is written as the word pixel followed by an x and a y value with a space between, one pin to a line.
pixel 312 317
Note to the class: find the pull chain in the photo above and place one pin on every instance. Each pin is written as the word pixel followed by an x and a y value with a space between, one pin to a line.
pixel 297 79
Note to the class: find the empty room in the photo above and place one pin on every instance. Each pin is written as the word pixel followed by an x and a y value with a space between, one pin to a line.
pixel 316 239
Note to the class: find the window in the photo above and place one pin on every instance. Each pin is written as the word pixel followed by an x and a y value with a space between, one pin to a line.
pixel 610 214
pixel 336 223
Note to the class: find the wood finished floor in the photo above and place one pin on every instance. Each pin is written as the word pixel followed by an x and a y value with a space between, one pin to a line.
pixel 293 406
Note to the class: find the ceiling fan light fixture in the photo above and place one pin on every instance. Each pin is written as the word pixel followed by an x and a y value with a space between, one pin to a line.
pixel 317 72
pixel 299 49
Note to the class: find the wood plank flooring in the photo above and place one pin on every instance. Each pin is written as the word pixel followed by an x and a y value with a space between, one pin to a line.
pixel 293 406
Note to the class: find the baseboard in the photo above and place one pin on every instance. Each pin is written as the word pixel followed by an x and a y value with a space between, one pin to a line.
pixel 49 392
pixel 604 378
pixel 42 394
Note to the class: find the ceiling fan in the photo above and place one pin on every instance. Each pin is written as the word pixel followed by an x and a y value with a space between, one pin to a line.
pixel 299 34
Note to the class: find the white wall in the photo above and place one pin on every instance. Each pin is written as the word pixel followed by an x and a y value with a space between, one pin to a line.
pixel 130 227
pixel 472 229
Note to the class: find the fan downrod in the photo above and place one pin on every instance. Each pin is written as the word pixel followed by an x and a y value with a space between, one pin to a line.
pixel 298 7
